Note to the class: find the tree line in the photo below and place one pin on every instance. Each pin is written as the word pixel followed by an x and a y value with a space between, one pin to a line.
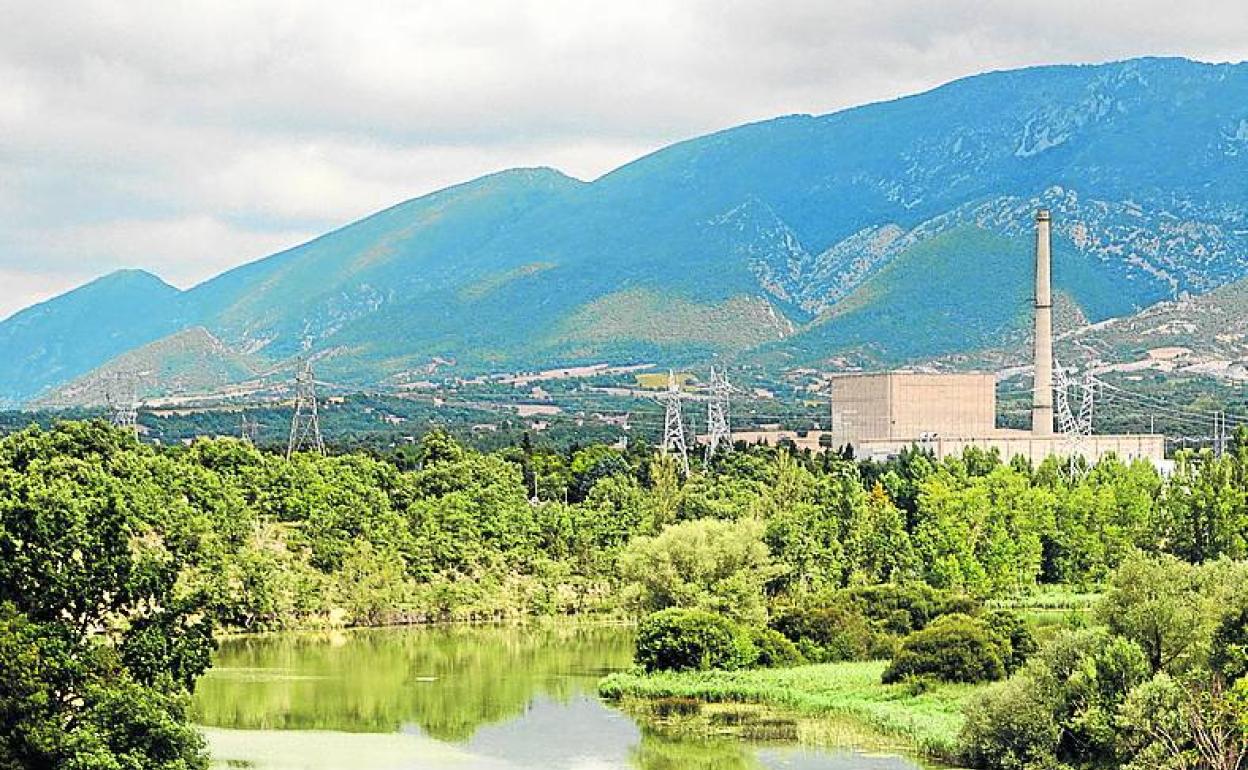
pixel 118 559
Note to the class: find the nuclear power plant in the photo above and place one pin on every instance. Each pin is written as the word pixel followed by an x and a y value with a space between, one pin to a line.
pixel 880 414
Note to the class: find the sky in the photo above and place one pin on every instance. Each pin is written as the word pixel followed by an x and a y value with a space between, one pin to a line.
pixel 187 137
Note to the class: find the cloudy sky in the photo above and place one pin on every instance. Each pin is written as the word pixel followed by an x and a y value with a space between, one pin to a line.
pixel 188 137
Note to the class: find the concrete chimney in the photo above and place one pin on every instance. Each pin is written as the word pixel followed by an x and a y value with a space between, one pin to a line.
pixel 1042 397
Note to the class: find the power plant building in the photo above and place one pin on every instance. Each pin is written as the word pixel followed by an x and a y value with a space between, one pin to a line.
pixel 880 414
pixel 906 406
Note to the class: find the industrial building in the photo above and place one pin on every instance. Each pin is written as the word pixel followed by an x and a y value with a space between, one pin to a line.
pixel 879 414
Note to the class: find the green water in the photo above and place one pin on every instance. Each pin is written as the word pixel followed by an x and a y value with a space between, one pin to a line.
pixel 497 698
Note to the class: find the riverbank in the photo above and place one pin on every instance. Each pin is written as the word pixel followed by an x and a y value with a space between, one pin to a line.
pixel 925 719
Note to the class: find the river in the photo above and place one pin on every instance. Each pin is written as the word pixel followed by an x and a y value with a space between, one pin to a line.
pixel 494 698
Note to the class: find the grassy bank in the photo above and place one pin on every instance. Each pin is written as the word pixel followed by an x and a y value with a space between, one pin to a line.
pixel 926 720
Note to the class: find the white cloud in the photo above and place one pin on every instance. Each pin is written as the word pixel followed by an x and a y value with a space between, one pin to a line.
pixel 182 250
pixel 22 286
pixel 192 135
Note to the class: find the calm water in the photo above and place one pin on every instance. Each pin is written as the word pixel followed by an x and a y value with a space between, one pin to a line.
pixel 440 698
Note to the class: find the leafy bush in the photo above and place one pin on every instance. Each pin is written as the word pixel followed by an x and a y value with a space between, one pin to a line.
pixel 902 609
pixel 865 622
pixel 679 640
pixel 1157 708
pixel 953 648
pixel 774 650
pixel 1011 726
pixel 828 634
pixel 1061 709
pixel 1018 643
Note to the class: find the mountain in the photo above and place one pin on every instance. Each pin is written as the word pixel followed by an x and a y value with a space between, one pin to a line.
pixel 52 342
pixel 886 233
pixel 189 361
pixel 1207 334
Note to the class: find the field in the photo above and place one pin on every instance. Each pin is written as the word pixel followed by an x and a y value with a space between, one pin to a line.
pixel 926 719
pixel 658 380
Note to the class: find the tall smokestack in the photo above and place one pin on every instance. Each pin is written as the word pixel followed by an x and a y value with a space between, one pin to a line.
pixel 1042 397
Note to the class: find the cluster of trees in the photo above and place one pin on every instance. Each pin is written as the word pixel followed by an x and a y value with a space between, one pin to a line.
pixel 100 640
pixel 118 559
pixel 1161 683
pixel 928 634
pixel 767 526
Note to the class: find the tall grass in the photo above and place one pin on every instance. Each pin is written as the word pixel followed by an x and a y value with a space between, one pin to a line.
pixel 1052 597
pixel 926 718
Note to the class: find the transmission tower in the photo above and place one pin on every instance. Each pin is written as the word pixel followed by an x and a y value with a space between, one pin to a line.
pixel 305 425
pixel 1074 427
pixel 674 423
pixel 1219 433
pixel 249 429
pixel 121 395
pixel 1088 404
pixel 718 427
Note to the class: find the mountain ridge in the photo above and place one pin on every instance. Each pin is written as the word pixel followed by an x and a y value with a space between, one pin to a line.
pixel 781 227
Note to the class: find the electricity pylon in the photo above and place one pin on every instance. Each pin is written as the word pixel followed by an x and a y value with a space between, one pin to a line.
pixel 718 427
pixel 248 430
pixel 674 423
pixel 121 394
pixel 1074 427
pixel 305 424
pixel 1219 433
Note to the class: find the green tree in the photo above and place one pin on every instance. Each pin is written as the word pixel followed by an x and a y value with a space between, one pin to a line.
pixel 1060 710
pixel 1168 607
pixel 877 545
pixel 712 565
pixel 98 644
pixel 1205 508
pixel 1229 655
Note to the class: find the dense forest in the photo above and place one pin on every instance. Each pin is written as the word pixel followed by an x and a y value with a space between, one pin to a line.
pixel 120 560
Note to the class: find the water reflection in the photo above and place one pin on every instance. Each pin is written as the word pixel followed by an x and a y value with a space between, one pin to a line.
pixel 447 681
pixel 513 698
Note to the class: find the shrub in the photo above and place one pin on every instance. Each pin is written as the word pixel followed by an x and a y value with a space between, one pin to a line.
pixel 953 648
pixel 958 604
pixel 865 622
pixel 902 609
pixel 828 634
pixel 1061 708
pixel 1153 721
pixel 1011 726
pixel 1018 643
pixel 774 650
pixel 680 640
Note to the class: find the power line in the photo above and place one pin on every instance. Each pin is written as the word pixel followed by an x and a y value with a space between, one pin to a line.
pixel 1172 413
pixel 1161 405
